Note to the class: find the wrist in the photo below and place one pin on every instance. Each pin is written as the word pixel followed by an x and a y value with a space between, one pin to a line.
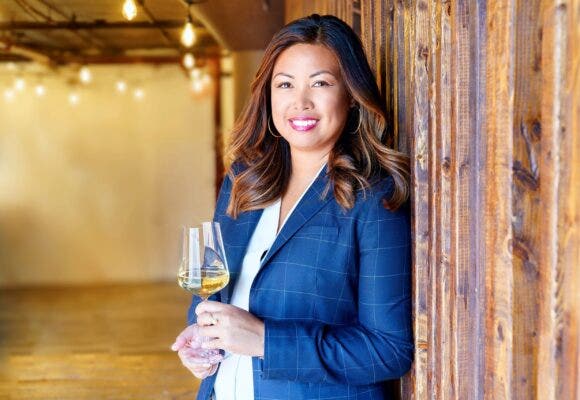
pixel 261 335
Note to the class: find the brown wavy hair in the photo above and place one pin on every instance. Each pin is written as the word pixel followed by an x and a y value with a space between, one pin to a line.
pixel 362 153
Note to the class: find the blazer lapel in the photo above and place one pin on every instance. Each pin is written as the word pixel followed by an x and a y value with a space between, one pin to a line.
pixel 236 235
pixel 309 205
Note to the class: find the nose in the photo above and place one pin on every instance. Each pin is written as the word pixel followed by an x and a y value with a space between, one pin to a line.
pixel 303 100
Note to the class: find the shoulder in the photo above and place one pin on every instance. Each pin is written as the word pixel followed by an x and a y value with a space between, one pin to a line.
pixel 371 201
pixel 379 188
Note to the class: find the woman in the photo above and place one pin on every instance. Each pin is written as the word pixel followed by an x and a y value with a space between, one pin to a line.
pixel 315 223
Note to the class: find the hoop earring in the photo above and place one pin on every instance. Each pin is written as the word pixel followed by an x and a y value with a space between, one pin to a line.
pixel 270 130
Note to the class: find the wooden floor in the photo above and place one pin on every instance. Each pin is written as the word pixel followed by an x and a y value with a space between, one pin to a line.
pixel 93 343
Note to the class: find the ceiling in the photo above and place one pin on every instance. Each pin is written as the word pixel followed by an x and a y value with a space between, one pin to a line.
pixel 59 32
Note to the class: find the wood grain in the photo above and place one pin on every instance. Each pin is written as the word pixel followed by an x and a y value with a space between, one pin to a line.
pixel 107 342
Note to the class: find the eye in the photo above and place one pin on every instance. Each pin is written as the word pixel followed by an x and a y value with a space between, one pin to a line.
pixel 283 85
pixel 320 83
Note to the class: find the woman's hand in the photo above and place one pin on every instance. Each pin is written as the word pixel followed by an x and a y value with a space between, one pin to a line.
pixel 232 329
pixel 192 356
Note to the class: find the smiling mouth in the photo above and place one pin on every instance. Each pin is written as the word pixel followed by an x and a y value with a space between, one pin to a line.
pixel 303 124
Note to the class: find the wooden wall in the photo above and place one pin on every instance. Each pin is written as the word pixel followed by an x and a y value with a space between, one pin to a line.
pixel 485 98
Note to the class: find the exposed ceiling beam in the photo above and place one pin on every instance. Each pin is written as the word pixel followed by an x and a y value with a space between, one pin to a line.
pixel 31 10
pixel 165 34
pixel 98 24
pixel 27 52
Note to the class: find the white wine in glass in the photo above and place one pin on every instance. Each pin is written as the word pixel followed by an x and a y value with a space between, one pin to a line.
pixel 203 270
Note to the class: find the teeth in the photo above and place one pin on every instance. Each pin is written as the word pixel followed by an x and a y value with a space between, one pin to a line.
pixel 308 122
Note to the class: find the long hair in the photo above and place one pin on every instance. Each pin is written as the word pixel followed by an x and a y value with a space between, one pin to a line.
pixel 358 157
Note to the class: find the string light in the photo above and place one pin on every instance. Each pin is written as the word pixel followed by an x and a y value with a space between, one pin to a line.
pixel 40 90
pixel 188 61
pixel 199 80
pixel 197 86
pixel 73 98
pixel 129 10
pixel 139 93
pixel 195 74
pixel 85 75
pixel 19 84
pixel 188 36
pixel 121 86
pixel 9 95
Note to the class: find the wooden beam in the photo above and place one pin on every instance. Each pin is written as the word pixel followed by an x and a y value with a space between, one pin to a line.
pixel 31 54
pixel 94 25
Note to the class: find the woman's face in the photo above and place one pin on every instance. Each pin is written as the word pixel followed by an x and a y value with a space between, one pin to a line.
pixel 309 98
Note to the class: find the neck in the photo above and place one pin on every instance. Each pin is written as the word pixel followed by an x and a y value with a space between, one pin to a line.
pixel 305 165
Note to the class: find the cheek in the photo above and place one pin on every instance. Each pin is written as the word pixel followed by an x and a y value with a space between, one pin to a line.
pixel 339 111
pixel 277 106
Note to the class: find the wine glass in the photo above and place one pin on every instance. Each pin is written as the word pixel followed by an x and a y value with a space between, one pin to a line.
pixel 203 268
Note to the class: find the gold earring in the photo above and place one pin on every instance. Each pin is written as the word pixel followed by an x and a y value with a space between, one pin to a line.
pixel 270 130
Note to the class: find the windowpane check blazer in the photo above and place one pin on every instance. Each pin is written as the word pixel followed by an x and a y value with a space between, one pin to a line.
pixel 334 292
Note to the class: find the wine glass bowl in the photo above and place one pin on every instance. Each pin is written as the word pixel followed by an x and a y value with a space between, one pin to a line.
pixel 203 269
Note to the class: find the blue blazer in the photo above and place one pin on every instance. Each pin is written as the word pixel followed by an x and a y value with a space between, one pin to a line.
pixel 334 292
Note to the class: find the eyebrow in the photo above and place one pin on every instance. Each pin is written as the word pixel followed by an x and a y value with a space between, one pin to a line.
pixel 323 71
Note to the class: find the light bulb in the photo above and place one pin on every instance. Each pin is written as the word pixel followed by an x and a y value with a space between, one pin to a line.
pixel 139 94
pixel 129 9
pixel 195 74
pixel 40 90
pixel 121 86
pixel 197 85
pixel 9 95
pixel 19 84
pixel 188 34
pixel 85 75
pixel 73 98
pixel 188 61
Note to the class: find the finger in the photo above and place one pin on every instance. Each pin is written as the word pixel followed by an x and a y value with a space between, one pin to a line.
pixel 205 373
pixel 184 337
pixel 214 344
pixel 207 319
pixel 211 331
pixel 201 357
pixel 210 306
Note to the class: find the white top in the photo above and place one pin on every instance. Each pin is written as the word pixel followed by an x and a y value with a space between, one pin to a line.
pixel 234 379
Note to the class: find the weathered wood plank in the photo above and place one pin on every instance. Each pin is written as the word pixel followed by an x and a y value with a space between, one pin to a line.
pixel 569 216
pixel 464 364
pixel 558 330
pixel 498 202
pixel 526 207
pixel 415 34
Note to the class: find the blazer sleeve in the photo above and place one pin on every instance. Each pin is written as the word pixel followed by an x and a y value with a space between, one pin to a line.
pixel 380 345
pixel 221 206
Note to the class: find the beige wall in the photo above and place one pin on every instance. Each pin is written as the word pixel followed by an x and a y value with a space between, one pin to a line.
pixel 97 192
pixel 238 70
pixel 245 64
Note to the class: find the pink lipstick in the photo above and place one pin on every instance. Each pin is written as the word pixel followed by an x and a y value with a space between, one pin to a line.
pixel 303 123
